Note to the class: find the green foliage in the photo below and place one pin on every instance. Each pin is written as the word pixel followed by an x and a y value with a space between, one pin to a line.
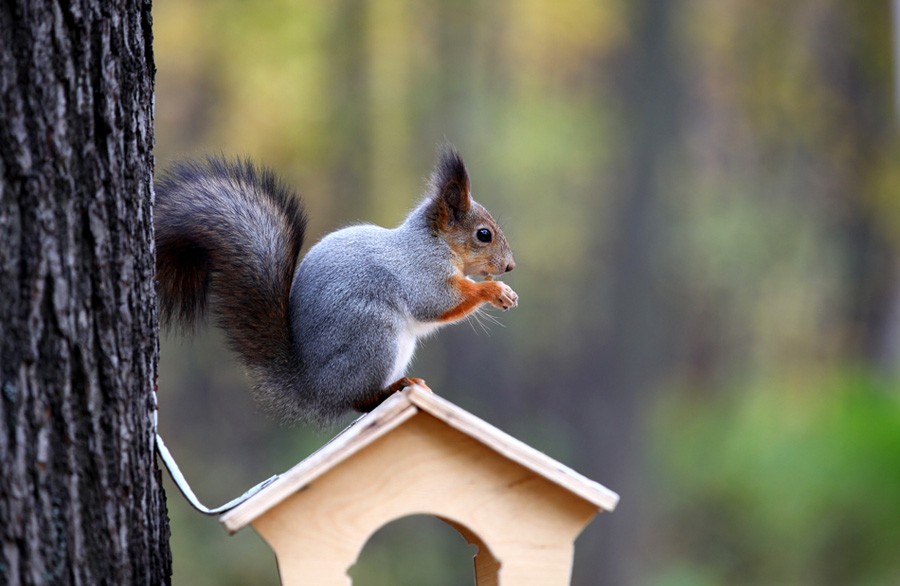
pixel 780 485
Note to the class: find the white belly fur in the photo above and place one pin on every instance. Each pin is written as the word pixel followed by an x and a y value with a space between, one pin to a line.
pixel 406 345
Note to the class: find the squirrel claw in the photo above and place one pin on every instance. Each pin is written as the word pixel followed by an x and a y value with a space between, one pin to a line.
pixel 507 298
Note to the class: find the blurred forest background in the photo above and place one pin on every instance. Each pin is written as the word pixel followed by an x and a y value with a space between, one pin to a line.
pixel 702 196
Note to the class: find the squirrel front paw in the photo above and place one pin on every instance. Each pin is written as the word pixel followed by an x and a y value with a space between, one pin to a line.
pixel 504 297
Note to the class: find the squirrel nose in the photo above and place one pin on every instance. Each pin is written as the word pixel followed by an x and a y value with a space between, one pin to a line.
pixel 510 266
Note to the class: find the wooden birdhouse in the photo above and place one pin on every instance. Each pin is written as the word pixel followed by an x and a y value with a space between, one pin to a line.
pixel 417 453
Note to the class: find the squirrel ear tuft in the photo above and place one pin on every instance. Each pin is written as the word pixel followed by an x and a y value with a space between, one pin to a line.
pixel 450 184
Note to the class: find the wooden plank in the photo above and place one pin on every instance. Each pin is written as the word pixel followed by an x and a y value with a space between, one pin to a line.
pixel 513 449
pixel 362 432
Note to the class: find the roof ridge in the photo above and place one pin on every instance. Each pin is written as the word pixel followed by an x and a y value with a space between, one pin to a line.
pixel 394 411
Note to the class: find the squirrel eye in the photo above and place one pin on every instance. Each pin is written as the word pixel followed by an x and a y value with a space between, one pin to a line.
pixel 483 235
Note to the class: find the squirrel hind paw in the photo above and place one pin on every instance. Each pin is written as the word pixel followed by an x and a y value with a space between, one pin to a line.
pixel 417 382
pixel 370 403
pixel 406 381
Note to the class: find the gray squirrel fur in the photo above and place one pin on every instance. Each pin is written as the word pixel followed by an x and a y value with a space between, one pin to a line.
pixel 336 331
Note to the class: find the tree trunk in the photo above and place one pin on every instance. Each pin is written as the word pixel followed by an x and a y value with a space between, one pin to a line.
pixel 81 500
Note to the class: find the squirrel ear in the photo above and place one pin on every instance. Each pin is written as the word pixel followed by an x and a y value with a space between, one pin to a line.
pixel 450 186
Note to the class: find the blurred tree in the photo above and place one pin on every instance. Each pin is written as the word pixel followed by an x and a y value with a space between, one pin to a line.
pixel 81 500
pixel 848 42
pixel 623 359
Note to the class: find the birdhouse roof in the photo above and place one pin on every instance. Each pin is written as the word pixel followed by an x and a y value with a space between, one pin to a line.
pixel 393 412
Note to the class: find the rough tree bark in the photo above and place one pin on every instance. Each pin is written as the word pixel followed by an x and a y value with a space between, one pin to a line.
pixel 81 500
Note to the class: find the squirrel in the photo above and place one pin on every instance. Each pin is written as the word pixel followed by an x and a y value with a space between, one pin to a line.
pixel 336 331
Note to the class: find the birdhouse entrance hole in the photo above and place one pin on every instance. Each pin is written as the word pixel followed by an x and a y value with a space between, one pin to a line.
pixel 418 550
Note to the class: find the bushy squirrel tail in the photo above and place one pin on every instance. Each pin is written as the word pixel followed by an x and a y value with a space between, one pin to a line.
pixel 228 237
